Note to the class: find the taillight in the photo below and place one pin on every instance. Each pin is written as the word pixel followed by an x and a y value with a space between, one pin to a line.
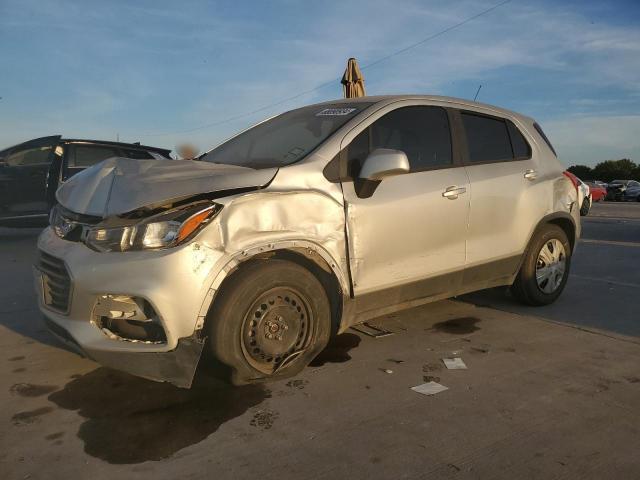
pixel 572 177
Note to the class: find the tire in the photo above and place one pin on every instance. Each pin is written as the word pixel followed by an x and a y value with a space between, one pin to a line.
pixel 586 206
pixel 526 288
pixel 269 321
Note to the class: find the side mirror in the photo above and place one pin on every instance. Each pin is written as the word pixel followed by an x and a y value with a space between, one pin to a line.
pixel 384 162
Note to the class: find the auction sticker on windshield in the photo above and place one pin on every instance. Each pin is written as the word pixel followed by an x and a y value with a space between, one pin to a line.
pixel 335 112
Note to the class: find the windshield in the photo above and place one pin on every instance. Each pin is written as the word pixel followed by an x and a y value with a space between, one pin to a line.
pixel 284 139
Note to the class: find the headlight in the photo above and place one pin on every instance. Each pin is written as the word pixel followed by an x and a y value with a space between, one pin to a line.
pixel 165 230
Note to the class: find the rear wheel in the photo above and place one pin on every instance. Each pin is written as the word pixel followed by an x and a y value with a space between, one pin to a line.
pixel 544 272
pixel 269 321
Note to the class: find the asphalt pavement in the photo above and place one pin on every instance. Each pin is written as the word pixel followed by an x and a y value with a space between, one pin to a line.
pixel 603 290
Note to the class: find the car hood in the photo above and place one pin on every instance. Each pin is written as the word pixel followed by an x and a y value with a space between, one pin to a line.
pixel 120 185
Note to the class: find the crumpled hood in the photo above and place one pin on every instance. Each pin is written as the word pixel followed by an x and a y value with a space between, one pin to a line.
pixel 119 185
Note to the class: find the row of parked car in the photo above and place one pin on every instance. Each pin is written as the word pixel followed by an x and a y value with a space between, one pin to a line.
pixel 595 191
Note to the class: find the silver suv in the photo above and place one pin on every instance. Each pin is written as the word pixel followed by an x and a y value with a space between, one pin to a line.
pixel 299 227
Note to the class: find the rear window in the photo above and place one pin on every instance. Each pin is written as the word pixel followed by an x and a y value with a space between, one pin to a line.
pixel 83 156
pixel 544 137
pixel 487 138
pixel 137 154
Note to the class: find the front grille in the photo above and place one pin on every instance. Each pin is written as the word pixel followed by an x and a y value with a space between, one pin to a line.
pixel 56 283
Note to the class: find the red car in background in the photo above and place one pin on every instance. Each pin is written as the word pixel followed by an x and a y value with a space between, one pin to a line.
pixel 598 192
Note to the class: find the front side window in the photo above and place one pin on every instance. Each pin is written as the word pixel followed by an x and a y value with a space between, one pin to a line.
pixel 83 156
pixel 422 133
pixel 31 156
pixel 487 138
pixel 284 139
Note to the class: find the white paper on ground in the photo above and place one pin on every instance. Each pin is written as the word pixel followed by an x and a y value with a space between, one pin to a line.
pixel 430 388
pixel 454 363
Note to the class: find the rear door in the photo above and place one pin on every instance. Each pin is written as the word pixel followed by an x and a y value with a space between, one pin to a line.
pixel 406 240
pixel 507 197
pixel 23 178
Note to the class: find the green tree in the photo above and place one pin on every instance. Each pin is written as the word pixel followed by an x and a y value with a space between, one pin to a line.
pixel 583 172
pixel 614 169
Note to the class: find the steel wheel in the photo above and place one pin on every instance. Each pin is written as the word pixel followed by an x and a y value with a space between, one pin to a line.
pixel 551 266
pixel 276 327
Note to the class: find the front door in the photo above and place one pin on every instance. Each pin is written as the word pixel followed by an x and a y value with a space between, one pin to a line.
pixel 406 236
pixel 23 178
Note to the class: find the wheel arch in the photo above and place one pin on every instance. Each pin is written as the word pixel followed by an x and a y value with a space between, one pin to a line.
pixel 306 254
pixel 560 219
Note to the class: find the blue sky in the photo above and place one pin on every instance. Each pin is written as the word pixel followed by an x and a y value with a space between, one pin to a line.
pixel 154 71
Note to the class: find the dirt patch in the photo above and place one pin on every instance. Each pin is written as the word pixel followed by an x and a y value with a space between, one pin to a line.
pixel 338 350
pixel 54 436
pixel 156 419
pixel 458 326
pixel 15 359
pixel 30 390
pixel 31 416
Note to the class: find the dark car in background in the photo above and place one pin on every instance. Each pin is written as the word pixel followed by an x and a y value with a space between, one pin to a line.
pixel 31 172
pixel 632 192
pixel 616 189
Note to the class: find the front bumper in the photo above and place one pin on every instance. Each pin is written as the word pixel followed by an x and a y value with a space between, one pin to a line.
pixel 175 282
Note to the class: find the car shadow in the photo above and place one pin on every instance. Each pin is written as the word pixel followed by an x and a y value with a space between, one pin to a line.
pixel 131 420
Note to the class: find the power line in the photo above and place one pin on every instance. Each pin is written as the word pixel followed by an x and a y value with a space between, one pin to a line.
pixel 333 81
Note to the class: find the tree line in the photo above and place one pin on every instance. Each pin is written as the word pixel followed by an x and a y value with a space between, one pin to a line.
pixel 623 169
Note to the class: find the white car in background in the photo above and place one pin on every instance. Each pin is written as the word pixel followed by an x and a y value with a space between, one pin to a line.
pixel 584 198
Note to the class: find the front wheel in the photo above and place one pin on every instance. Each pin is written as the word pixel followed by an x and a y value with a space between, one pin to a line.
pixel 269 321
pixel 545 269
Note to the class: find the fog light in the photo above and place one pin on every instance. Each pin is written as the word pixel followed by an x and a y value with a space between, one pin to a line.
pixel 128 318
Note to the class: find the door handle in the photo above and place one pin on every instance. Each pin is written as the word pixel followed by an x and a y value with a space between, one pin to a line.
pixel 452 192
pixel 531 174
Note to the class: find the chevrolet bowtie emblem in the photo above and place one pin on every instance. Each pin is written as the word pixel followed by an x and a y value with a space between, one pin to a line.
pixel 63 227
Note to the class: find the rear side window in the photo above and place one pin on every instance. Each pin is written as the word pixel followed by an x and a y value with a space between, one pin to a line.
pixel 83 156
pixel 137 154
pixel 487 138
pixel 422 133
pixel 521 148
pixel 544 137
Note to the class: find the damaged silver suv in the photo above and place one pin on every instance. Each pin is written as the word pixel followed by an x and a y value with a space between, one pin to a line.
pixel 299 227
